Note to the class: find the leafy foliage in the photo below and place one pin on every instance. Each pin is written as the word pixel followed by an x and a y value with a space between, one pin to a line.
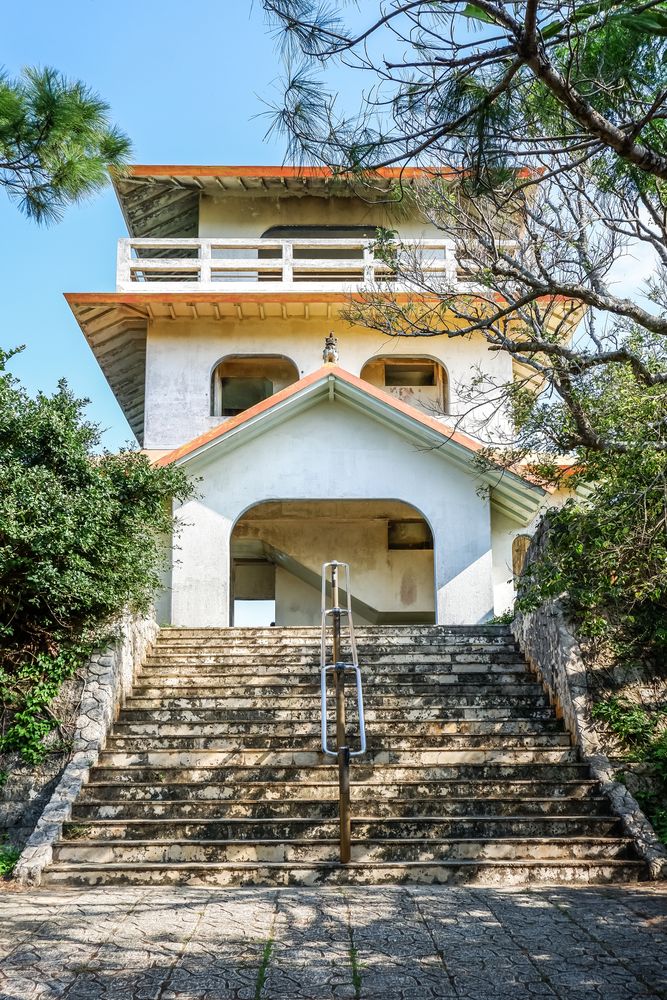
pixel 643 737
pixel 80 542
pixel 607 546
pixel 478 86
pixel 56 142
pixel 8 858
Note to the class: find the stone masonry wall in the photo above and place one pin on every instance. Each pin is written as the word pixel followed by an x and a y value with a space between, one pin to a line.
pixel 26 788
pixel 550 646
pixel 108 680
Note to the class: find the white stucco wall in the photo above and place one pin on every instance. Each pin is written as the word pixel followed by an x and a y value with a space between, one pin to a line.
pixel 503 531
pixel 181 355
pixel 333 452
pixel 244 215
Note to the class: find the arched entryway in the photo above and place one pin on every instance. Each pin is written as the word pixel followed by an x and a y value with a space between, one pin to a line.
pixel 278 547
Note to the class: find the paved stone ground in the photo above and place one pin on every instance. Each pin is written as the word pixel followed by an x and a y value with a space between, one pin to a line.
pixel 306 944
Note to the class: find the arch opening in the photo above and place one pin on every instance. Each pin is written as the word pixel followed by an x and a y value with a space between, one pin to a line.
pixel 278 548
pixel 520 544
pixel 239 381
pixel 416 379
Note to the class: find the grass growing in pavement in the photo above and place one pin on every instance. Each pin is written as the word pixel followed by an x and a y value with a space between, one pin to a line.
pixel 355 964
pixel 356 972
pixel 263 968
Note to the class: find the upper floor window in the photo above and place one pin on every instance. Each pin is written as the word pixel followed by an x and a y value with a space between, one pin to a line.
pixel 421 381
pixel 322 252
pixel 241 381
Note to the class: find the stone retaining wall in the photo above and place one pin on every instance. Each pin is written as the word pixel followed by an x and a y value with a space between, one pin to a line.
pixel 108 680
pixel 550 646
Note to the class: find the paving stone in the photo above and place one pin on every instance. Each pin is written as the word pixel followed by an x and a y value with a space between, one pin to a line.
pixel 408 943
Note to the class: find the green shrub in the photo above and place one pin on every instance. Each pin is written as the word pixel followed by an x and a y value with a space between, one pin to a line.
pixel 643 739
pixel 81 541
pixel 8 858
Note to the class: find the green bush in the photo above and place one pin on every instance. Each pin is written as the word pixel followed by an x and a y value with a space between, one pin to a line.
pixel 642 737
pixel 606 551
pixel 80 542
pixel 8 858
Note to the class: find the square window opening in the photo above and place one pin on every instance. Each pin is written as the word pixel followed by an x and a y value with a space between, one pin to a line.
pixel 409 535
pixel 420 374
pixel 238 394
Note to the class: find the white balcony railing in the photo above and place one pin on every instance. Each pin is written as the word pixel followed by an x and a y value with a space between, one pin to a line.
pixel 265 265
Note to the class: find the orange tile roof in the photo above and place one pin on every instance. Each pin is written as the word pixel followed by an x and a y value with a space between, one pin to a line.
pixel 289 171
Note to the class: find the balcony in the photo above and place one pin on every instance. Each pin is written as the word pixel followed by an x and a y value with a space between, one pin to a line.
pixel 272 265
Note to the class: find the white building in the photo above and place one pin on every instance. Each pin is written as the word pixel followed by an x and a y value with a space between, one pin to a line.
pixel 228 286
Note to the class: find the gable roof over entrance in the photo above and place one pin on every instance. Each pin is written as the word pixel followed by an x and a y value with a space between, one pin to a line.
pixel 512 493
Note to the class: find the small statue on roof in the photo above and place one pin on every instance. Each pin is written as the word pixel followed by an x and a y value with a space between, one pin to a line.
pixel 330 352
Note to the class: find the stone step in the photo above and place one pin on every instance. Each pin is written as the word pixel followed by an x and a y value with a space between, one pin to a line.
pixel 490 720
pixel 294 656
pixel 371 827
pixel 506 701
pixel 372 633
pixel 250 674
pixel 414 689
pixel 484 873
pixel 254 698
pixel 279 684
pixel 213 773
pixel 148 725
pixel 377 743
pixel 171 789
pixel 305 758
pixel 289 851
pixel 327 805
pixel 313 642
pixel 390 665
pixel 231 771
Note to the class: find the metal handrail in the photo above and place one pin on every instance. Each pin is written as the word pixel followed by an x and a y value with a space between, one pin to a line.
pixel 339 668
pixel 360 709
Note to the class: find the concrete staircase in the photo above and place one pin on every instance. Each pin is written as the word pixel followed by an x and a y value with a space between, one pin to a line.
pixel 213 773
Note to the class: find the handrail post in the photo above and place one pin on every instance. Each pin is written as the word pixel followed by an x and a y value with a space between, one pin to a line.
pixel 341 727
pixel 338 667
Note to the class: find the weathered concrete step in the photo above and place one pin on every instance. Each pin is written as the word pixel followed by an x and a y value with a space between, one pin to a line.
pixel 365 633
pixel 305 758
pixel 269 685
pixel 421 673
pixel 230 771
pixel 311 645
pixel 398 849
pixel 327 805
pixel 294 657
pixel 377 743
pixel 369 632
pixel 304 693
pixel 446 708
pixel 504 720
pixel 170 789
pixel 255 697
pixel 486 873
pixel 423 827
pixel 148 725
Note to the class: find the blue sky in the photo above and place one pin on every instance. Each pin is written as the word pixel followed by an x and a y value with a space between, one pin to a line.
pixel 186 82
pixel 183 80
